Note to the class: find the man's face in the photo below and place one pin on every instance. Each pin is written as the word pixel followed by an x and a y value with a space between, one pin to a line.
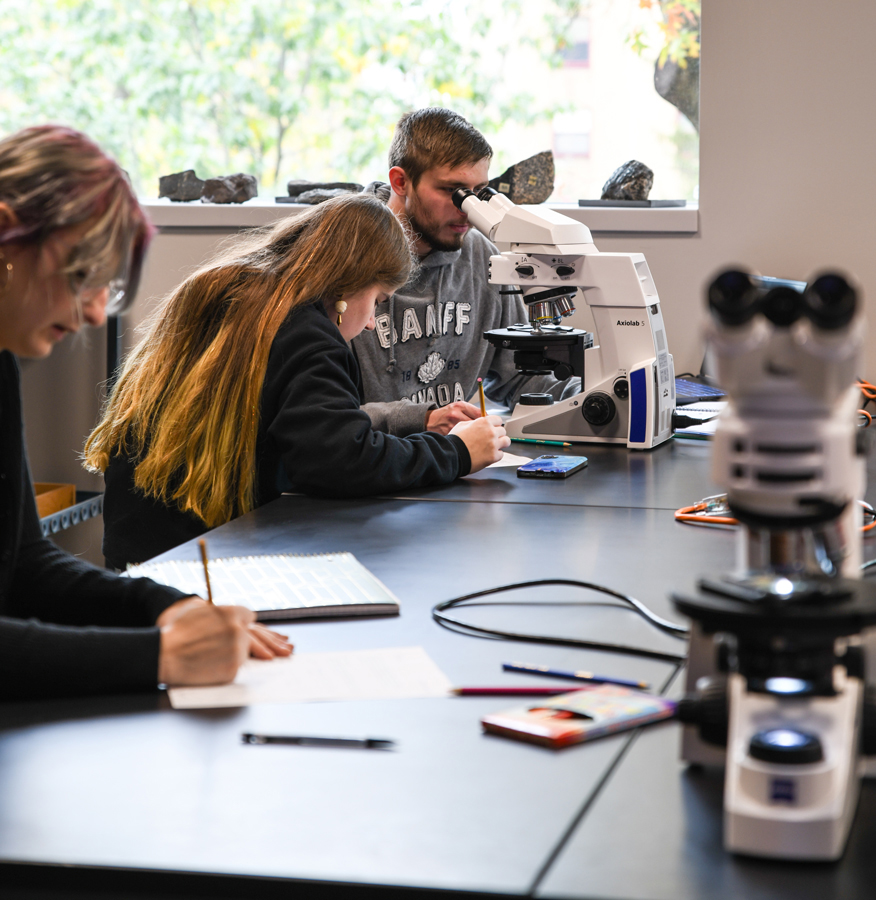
pixel 436 222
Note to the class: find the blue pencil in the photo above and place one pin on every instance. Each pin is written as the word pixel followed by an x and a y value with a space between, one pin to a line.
pixel 573 676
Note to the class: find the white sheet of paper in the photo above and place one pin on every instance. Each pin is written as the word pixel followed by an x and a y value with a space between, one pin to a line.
pixel 509 459
pixel 391 673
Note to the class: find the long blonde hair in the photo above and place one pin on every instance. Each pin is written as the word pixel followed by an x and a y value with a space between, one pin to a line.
pixel 186 405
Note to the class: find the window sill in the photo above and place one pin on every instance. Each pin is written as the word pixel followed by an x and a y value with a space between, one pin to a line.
pixel 168 216
pixel 602 219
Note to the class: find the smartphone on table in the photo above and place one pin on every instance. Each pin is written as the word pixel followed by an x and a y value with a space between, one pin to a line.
pixel 552 466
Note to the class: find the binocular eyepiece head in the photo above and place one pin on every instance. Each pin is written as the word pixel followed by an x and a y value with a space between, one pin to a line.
pixel 460 195
pixel 735 297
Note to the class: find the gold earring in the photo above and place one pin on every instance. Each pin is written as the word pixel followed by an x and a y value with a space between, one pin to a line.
pixel 340 308
pixel 7 267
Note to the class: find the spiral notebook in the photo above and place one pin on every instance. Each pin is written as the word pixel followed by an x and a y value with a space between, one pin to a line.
pixel 284 586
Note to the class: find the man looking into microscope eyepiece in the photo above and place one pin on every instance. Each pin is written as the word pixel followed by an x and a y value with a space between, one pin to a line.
pixel 421 364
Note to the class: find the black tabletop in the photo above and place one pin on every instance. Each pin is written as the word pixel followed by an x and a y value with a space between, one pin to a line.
pixel 98 784
pixel 128 785
pixel 670 476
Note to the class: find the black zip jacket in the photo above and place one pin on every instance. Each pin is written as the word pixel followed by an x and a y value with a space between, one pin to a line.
pixel 313 438
pixel 50 601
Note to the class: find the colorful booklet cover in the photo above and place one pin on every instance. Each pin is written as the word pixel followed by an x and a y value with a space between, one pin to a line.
pixel 582 715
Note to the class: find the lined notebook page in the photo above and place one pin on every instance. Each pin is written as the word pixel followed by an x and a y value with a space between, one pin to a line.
pixel 281 586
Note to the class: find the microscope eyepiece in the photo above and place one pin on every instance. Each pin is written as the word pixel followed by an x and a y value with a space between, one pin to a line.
pixel 782 306
pixel 733 297
pixel 830 302
pixel 485 193
pixel 460 195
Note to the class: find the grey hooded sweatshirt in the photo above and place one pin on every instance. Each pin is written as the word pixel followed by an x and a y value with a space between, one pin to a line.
pixel 428 349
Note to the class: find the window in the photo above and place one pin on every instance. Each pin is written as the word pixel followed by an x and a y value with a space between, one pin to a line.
pixel 289 89
pixel 575 51
pixel 572 133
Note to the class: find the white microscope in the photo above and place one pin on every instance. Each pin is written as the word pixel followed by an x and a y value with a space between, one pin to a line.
pixel 628 379
pixel 779 651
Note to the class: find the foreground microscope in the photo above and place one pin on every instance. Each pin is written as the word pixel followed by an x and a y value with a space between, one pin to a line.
pixel 779 652
pixel 628 380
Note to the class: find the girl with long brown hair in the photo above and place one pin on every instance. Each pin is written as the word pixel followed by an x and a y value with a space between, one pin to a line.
pixel 245 386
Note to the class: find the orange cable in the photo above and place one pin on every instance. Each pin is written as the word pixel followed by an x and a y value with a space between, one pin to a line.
pixel 867 389
pixel 690 514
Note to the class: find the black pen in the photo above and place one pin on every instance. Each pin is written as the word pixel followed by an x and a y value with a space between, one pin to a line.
pixel 305 741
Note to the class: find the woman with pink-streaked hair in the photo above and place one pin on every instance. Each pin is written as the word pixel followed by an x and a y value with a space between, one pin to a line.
pixel 72 241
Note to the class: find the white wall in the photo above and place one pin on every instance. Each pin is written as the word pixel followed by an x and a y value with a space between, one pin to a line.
pixel 787 173
pixel 787 187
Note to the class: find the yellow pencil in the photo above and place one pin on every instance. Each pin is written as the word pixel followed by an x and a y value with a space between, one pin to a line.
pixel 483 401
pixel 203 545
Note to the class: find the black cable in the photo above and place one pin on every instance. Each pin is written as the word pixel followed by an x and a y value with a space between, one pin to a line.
pixel 679 420
pixel 453 624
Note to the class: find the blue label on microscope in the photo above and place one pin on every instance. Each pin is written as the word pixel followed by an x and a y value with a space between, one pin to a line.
pixel 638 407
pixel 783 790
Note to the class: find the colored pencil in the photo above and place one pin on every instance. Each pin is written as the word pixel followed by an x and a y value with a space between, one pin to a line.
pixel 573 675
pixel 539 441
pixel 483 399
pixel 512 691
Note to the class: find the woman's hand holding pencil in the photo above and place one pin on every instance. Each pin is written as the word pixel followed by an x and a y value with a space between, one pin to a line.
pixel 209 643
pixel 485 440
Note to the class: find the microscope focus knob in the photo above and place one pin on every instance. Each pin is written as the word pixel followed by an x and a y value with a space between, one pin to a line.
pixel 598 408
pixel 707 709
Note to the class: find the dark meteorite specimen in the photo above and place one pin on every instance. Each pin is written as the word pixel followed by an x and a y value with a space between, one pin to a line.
pixel 298 186
pixel 529 181
pixel 631 181
pixel 230 189
pixel 180 186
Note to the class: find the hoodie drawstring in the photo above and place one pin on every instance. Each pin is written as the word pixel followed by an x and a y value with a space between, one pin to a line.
pixel 392 361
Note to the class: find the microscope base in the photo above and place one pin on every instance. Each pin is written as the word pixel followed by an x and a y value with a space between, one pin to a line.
pixel 792 811
pixel 640 421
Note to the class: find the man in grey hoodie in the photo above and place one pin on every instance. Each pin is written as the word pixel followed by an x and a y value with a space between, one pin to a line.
pixel 421 364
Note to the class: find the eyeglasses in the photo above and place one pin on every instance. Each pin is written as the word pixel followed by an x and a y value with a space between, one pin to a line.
pixel 116 300
pixel 85 281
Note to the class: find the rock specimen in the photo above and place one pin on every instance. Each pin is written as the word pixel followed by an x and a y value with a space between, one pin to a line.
pixel 319 195
pixel 299 186
pixel 230 189
pixel 631 181
pixel 529 181
pixel 181 186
